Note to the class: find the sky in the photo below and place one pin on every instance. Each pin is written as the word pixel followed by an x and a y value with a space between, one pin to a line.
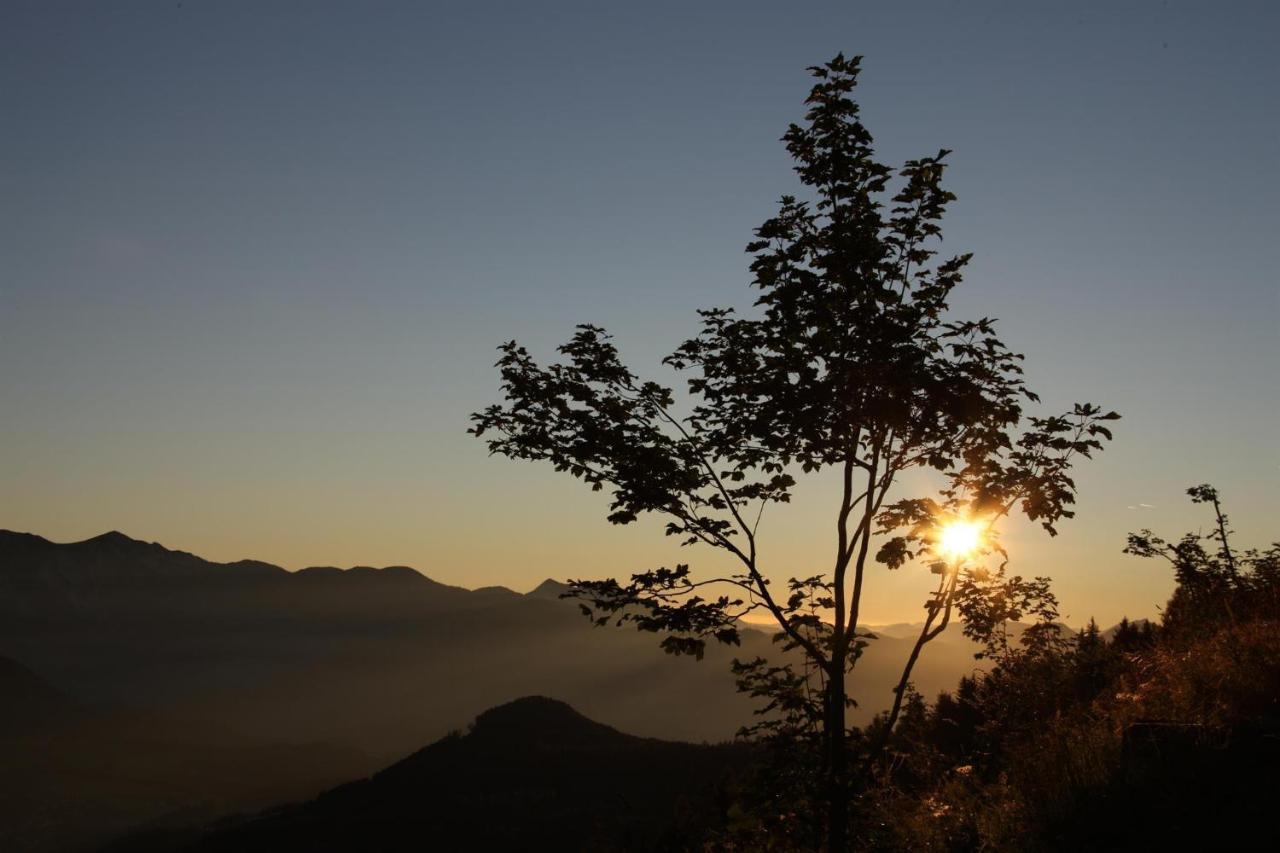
pixel 256 257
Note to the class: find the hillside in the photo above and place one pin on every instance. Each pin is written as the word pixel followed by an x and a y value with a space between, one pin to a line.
pixel 532 774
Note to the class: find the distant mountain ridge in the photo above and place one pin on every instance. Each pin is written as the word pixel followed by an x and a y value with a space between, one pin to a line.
pixel 370 657
pixel 153 561
pixel 374 661
pixel 381 659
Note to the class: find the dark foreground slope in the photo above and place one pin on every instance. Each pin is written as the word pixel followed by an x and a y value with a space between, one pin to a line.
pixel 530 775
pixel 1148 740
pixel 72 776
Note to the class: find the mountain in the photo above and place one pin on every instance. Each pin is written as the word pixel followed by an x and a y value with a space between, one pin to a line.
pixel 72 776
pixel 187 688
pixel 900 630
pixel 379 660
pixel 549 588
pixel 533 774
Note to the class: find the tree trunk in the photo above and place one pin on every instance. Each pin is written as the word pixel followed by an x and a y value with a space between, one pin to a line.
pixel 837 766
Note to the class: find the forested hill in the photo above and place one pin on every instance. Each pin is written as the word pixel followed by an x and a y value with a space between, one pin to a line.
pixel 533 774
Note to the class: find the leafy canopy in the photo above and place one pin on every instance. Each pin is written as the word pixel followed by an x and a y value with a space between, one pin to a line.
pixel 848 361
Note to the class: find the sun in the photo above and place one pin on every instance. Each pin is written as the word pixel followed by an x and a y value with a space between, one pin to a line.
pixel 958 539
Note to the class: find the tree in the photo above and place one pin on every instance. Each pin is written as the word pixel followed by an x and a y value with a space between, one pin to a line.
pixel 848 363
pixel 1214 579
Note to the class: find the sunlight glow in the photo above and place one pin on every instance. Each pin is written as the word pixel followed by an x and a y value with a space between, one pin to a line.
pixel 959 538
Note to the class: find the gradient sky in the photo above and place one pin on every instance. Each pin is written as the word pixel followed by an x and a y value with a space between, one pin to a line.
pixel 256 256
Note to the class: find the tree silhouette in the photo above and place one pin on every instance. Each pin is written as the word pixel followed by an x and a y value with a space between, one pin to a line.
pixel 1215 578
pixel 850 363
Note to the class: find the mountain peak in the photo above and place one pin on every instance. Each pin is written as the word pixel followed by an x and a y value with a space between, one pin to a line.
pixel 541 720
pixel 549 588
pixel 494 590
pixel 113 538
